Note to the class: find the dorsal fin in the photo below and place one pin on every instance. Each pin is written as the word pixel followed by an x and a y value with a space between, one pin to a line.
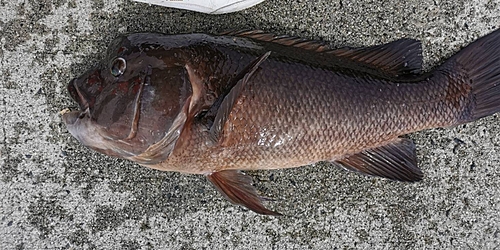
pixel 397 58
pixel 400 57
pixel 317 46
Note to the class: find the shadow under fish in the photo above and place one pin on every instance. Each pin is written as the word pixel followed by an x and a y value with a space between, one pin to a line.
pixel 247 100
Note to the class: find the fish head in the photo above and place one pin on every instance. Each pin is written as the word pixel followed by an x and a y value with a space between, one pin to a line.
pixel 136 97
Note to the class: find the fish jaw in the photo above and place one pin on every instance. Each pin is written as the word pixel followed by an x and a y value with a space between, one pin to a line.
pixel 81 126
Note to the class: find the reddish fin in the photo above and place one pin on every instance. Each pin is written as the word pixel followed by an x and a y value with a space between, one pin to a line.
pixel 224 109
pixel 237 188
pixel 476 69
pixel 396 160
pixel 394 59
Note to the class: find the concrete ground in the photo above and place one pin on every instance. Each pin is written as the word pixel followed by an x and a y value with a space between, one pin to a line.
pixel 57 194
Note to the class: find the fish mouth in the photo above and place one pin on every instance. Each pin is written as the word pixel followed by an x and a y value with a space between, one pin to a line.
pixel 77 95
pixel 71 117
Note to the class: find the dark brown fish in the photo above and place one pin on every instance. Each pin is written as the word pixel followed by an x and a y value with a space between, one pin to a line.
pixel 214 105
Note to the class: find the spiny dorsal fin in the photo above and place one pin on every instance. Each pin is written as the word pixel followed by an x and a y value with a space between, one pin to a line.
pixel 396 160
pixel 224 108
pixel 397 58
pixel 294 41
pixel 237 188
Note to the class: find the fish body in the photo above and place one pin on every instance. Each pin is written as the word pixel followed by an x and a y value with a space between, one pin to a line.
pixel 247 100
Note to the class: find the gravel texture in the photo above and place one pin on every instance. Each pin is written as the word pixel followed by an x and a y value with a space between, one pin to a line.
pixel 57 194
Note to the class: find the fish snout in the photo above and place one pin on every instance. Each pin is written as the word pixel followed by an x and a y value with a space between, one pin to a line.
pixel 70 117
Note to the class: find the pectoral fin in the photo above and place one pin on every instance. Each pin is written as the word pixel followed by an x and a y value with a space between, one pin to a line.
pixel 396 160
pixel 223 106
pixel 237 188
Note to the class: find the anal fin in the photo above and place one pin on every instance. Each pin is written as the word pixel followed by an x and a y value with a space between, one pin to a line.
pixel 396 160
pixel 237 188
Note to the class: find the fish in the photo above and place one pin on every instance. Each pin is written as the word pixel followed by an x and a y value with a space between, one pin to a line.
pixel 217 105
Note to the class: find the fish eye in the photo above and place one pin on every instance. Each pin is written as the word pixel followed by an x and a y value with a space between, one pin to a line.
pixel 118 66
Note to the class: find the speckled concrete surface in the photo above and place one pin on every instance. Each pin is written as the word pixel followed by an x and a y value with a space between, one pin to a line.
pixel 57 194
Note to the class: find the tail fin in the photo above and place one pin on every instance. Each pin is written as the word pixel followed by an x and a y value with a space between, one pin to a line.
pixel 479 65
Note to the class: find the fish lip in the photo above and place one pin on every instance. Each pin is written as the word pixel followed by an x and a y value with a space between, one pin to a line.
pixel 70 117
pixel 77 95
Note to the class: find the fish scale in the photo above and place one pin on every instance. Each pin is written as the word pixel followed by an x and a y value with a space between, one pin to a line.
pixel 322 118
